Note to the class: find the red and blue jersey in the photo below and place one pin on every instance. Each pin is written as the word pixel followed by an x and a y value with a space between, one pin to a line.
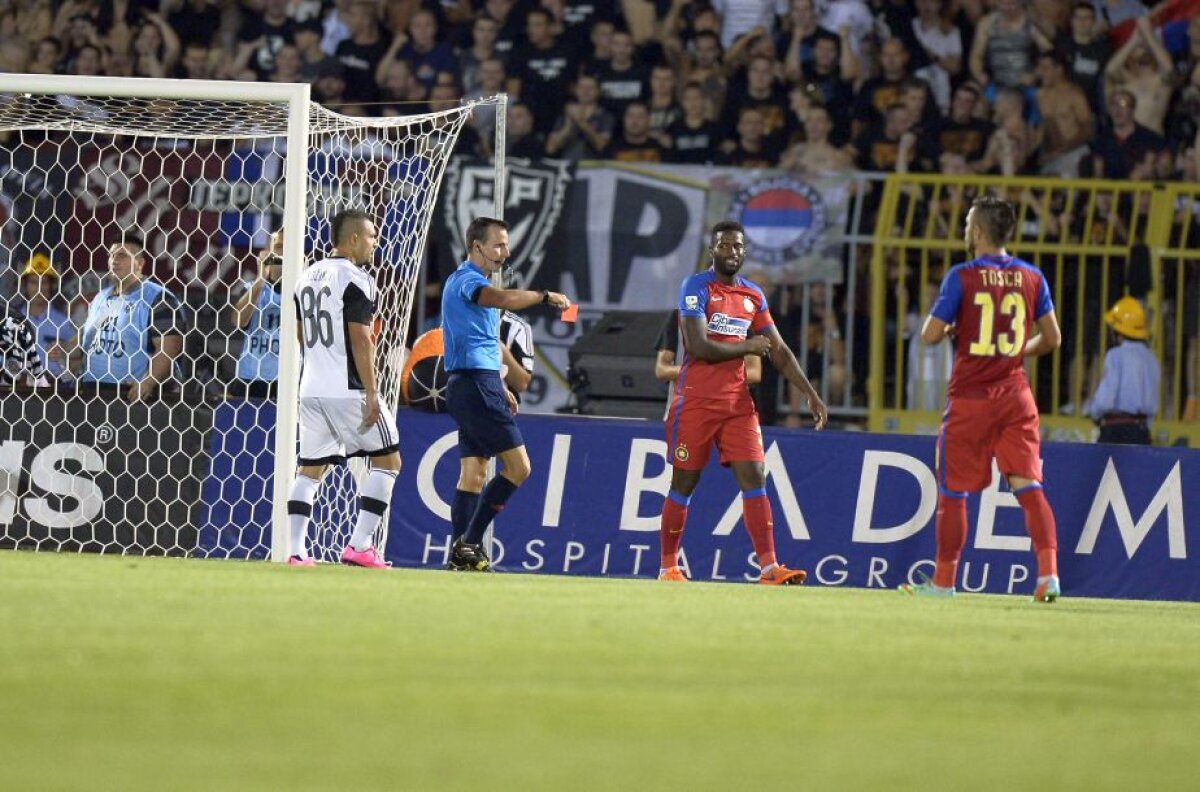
pixel 730 313
pixel 994 303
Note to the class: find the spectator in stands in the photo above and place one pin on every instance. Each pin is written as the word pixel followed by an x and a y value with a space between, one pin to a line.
pixel 193 20
pixel 1143 67
pixel 853 21
pixel 510 24
pixel 308 43
pixel 751 148
pixel 336 25
pixel 802 40
pixel 706 70
pixel 257 313
pixel 1013 147
pixel 585 128
pixel 362 52
pixel 759 91
pixel 1126 150
pixel 1067 120
pixel 196 63
pixel 693 138
pixel 133 331
pixel 878 149
pixel 52 328
pixel 491 76
pixel 330 87
pixel 287 65
pixel 540 72
pixel 156 47
pixel 427 58
pixel 917 97
pixel 634 143
pixel 483 47
pixel 941 41
pixel 600 38
pixel 879 93
pixel 624 79
pixel 521 137
pixel 816 153
pixel 88 62
pixel 739 17
pixel 663 102
pixel 47 56
pixel 1086 51
pixel 835 92
pixel 261 36
pixel 1005 45
pixel 962 132
pixel 1188 54
pixel 1184 121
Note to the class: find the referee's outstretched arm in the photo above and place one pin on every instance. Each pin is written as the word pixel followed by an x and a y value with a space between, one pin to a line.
pixel 520 299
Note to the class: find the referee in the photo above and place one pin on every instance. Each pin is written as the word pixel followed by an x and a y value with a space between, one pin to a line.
pixel 476 397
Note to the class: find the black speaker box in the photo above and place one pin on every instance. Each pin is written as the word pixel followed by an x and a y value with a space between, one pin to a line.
pixel 614 359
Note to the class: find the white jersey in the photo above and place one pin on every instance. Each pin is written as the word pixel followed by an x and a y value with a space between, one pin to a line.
pixel 331 295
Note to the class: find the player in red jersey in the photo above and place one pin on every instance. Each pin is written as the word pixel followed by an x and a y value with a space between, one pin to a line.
pixel 989 307
pixel 723 318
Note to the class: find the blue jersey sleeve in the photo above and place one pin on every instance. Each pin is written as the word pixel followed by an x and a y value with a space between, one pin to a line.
pixel 949 298
pixel 693 298
pixel 470 286
pixel 1044 304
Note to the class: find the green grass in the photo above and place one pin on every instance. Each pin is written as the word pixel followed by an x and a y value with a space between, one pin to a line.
pixel 119 673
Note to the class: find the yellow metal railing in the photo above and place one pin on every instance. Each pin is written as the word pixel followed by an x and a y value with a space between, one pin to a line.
pixel 1096 241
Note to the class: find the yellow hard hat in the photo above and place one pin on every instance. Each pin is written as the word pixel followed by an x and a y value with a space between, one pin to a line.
pixel 39 265
pixel 1128 318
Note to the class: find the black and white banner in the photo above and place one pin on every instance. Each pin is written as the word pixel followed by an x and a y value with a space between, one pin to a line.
pixel 100 475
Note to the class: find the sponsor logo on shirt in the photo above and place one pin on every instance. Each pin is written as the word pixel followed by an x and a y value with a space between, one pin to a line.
pixel 691 301
pixel 726 325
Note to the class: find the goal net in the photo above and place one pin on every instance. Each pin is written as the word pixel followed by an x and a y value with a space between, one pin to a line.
pixel 136 223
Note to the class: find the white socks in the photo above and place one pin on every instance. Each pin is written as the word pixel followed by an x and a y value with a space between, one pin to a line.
pixel 373 501
pixel 300 501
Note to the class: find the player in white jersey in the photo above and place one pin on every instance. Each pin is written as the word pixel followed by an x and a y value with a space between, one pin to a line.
pixel 340 411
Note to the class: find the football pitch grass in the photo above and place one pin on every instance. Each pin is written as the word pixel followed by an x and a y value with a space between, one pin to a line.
pixel 124 673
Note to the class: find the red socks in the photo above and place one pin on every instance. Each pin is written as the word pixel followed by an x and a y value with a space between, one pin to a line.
pixel 670 531
pixel 1039 523
pixel 951 538
pixel 756 511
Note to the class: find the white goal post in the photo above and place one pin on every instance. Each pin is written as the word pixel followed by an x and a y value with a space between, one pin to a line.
pixel 201 172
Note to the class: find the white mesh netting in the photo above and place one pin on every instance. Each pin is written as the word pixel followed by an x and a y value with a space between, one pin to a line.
pixel 96 191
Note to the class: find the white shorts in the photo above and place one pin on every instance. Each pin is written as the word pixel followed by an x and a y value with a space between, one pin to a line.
pixel 331 429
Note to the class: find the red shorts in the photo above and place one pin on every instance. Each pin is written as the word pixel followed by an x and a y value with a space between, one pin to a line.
pixel 975 430
pixel 693 427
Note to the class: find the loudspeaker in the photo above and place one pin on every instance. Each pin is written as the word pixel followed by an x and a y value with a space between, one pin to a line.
pixel 614 359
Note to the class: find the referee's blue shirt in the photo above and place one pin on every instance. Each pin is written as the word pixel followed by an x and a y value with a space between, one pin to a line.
pixel 471 331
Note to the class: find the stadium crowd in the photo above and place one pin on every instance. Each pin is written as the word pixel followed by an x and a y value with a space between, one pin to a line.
pixel 1069 88
pixel 1107 88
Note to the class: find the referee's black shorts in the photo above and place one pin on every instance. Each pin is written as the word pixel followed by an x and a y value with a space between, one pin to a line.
pixel 475 399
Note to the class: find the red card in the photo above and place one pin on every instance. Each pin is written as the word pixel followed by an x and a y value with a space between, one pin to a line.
pixel 570 313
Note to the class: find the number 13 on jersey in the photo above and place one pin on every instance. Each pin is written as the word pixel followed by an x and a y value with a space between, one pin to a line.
pixel 989 342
